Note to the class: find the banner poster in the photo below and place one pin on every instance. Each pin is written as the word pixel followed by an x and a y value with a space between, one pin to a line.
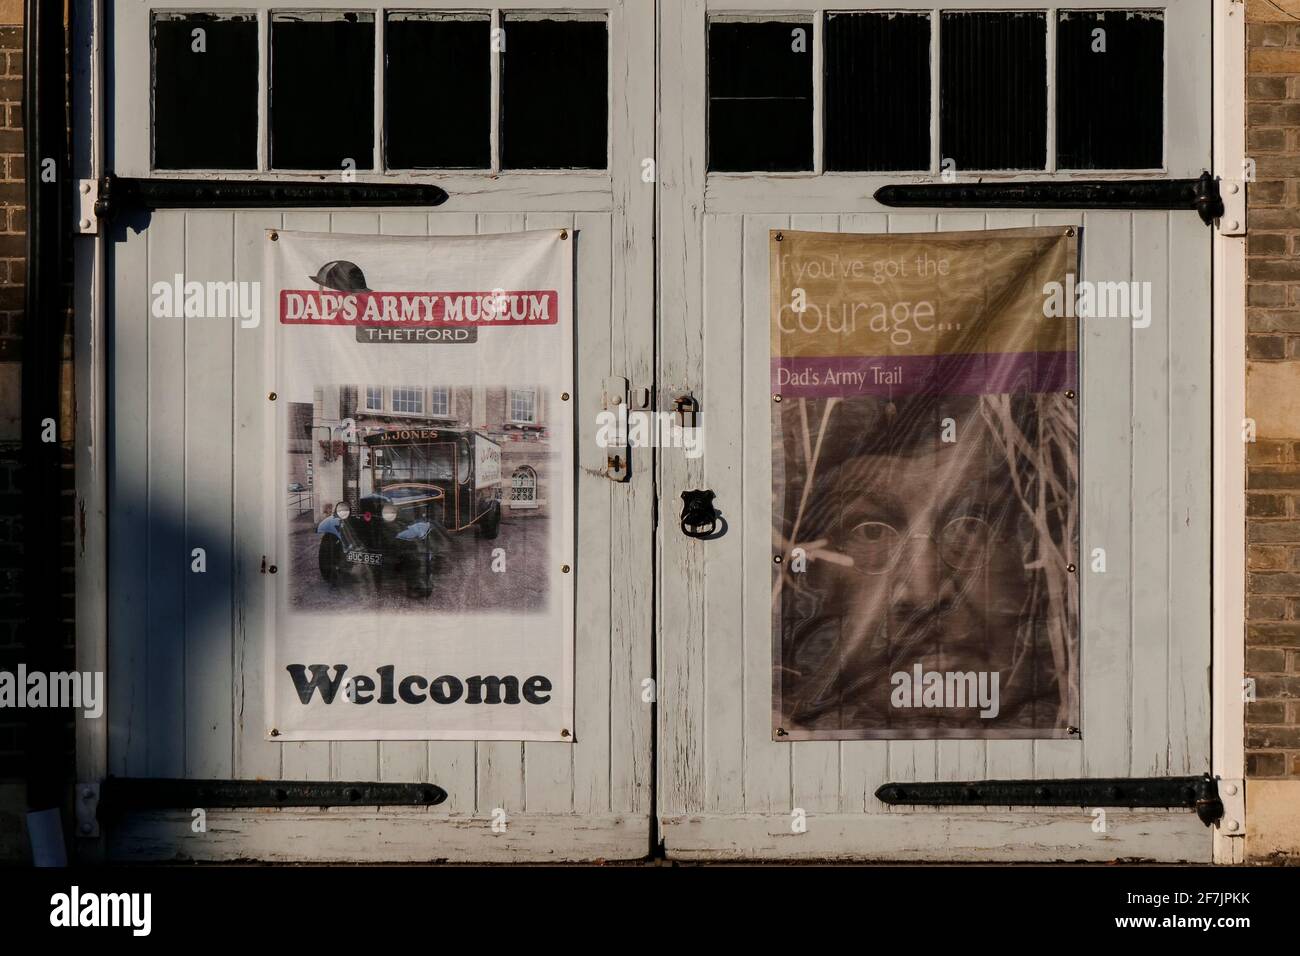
pixel 925 463
pixel 423 471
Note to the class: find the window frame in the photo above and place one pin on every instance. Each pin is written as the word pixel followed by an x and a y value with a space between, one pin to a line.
pixel 497 12
pixel 732 184
pixel 365 398
pixel 416 390
pixel 510 407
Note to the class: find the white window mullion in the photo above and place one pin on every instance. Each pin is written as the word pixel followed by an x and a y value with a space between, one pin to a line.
pixel 264 90
pixel 495 100
pixel 818 92
pixel 1051 91
pixel 935 157
pixel 377 132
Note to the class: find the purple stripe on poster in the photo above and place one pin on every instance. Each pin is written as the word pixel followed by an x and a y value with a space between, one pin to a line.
pixel 977 373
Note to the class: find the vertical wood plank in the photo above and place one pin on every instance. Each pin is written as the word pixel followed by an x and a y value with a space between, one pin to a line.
pixel 306 760
pixel 128 504
pixel 208 361
pixel 1149 629
pixel 681 368
pixel 633 125
pixel 257 471
pixel 767 763
pixel 724 658
pixel 593 707
pixel 168 557
pixel 1107 505
pixel 1190 501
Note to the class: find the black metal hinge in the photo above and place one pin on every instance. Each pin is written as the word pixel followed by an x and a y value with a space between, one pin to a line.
pixel 122 794
pixel 1195 793
pixel 119 193
pixel 1200 194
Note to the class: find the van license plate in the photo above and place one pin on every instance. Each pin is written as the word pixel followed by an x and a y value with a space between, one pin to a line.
pixel 365 557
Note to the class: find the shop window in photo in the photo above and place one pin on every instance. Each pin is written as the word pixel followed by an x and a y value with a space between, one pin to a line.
pixel 1110 77
pixel 523 488
pixel 993 90
pixel 523 406
pixel 437 91
pixel 409 401
pixel 204 91
pixel 554 93
pixel 877 79
pixel 760 96
pixel 322 90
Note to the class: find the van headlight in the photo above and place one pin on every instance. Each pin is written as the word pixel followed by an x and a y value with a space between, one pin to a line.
pixel 389 511
pixel 342 511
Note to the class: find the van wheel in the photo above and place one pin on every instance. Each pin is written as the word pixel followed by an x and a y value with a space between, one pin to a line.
pixel 419 576
pixel 490 526
pixel 331 560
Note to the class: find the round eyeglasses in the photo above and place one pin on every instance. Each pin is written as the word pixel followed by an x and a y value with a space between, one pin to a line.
pixel 963 544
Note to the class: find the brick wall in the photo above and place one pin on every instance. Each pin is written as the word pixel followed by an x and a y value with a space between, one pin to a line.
pixel 1273 349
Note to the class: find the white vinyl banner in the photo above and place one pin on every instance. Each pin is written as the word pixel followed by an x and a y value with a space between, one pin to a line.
pixel 423 461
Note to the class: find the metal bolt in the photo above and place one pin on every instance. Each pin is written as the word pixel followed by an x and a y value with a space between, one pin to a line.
pixel 1233 225
pixel 271 397
pixel 781 732
pixel 776 559
pixel 1069 232
pixel 1069 393
pixel 1233 189
pixel 564 733
pixel 777 399
pixel 272 569
pixel 779 237
pixel 1069 567
pixel 1230 789
pixel 275 236
pixel 564 396
pixel 85 188
pixel 564 234
pixel 274 732
pixel 1232 826
pixel 1072 731
pixel 564 569
pixel 83 223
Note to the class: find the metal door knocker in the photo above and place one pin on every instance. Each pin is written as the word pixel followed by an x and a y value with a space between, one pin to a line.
pixel 699 517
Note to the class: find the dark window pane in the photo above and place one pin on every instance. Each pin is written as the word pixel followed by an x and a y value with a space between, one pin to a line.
pixel 1110 90
pixel 760 97
pixel 877 91
pixel 553 94
pixel 204 91
pixel 322 90
pixel 993 90
pixel 437 92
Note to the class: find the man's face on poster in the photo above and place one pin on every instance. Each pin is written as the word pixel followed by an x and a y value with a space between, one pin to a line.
pixel 922 560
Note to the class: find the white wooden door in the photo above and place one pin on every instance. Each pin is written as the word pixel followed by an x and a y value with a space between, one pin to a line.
pixel 727 789
pixel 186 440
